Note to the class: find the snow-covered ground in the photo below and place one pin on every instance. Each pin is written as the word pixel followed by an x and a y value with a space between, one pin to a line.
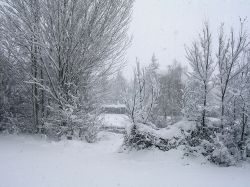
pixel 28 161
pixel 32 161
pixel 116 120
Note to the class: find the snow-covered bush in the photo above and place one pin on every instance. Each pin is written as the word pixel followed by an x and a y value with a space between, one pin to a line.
pixel 221 154
pixel 89 127
pixel 142 136
pixel 138 140
pixel 219 148
pixel 72 123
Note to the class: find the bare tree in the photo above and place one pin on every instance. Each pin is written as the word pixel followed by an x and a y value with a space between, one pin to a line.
pixel 229 52
pixel 200 59
pixel 20 27
pixel 142 95
pixel 66 49
pixel 238 109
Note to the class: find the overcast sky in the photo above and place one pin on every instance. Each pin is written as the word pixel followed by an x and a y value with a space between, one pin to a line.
pixel 163 27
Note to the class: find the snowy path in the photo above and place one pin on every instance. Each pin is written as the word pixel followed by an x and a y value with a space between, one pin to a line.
pixel 32 162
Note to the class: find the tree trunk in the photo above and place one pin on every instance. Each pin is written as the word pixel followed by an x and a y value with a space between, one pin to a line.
pixel 222 112
pixel 244 121
pixel 204 106
pixel 35 91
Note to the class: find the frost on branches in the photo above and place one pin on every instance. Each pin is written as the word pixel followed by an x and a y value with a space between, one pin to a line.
pixel 224 130
pixel 61 52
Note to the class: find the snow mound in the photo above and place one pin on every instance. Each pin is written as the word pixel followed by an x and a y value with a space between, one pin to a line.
pixel 177 130
pixel 144 136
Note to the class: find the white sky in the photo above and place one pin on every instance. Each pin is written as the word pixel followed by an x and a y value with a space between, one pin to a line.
pixel 165 26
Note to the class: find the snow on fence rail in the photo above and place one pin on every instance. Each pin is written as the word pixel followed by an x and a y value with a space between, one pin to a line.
pixel 114 109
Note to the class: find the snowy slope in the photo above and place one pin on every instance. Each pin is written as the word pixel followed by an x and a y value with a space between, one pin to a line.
pixel 32 161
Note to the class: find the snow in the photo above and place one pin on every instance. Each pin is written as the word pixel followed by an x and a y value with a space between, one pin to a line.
pixel 116 120
pixel 176 130
pixel 114 106
pixel 28 161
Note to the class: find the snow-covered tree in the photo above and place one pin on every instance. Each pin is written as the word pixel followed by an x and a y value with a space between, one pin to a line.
pixel 170 101
pixel 140 97
pixel 66 49
pixel 201 62
pixel 226 141
pixel 238 105
pixel 228 57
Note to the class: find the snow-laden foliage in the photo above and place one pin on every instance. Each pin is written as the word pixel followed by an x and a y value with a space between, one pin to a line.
pixel 62 52
pixel 200 78
pixel 15 114
pixel 58 65
pixel 214 96
pixel 141 96
pixel 169 104
pixel 226 99
pixel 140 99
pixel 141 136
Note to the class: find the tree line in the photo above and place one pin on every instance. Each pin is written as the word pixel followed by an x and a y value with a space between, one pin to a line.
pixel 214 93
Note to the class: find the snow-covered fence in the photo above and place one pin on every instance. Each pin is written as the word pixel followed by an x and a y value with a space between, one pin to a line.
pixel 114 109
pixel 118 130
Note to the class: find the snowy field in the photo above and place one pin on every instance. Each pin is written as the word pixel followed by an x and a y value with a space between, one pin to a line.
pixel 36 162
